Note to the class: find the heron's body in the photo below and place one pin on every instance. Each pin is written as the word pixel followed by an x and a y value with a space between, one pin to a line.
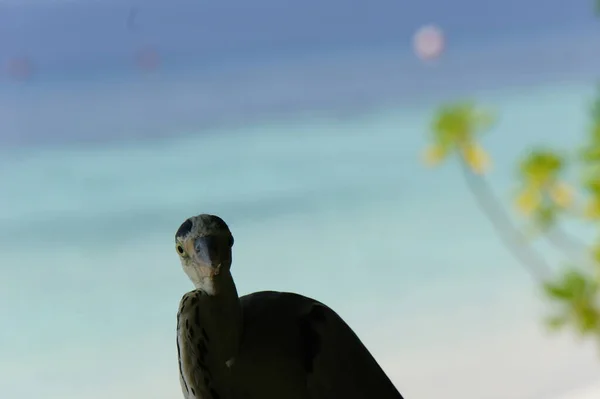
pixel 296 347
pixel 266 345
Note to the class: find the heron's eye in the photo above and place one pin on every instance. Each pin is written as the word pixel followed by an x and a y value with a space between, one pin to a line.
pixel 179 249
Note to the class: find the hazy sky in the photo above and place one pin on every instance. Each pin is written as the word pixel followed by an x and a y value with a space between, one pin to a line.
pixel 77 33
pixel 490 44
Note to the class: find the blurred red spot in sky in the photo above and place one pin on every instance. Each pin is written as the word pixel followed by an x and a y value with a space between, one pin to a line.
pixel 147 59
pixel 429 42
pixel 19 68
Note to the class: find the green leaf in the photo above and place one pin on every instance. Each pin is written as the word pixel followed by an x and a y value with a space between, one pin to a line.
pixel 540 166
pixel 545 217
pixel 571 285
pixel 588 318
pixel 557 292
pixel 556 322
pixel 574 282
pixel 591 181
pixel 590 154
pixel 459 123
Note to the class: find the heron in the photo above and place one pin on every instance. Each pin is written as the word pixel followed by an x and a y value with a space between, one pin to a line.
pixel 268 344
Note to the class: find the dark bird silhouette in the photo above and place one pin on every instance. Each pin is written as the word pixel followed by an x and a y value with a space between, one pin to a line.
pixel 265 345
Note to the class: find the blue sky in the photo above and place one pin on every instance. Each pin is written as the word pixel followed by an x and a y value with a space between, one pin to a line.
pixel 251 61
pixel 85 33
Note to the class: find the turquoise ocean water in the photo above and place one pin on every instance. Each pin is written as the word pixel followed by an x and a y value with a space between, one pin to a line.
pixel 332 205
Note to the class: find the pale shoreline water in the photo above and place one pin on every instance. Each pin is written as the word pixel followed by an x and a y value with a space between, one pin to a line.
pixel 448 312
pixel 591 392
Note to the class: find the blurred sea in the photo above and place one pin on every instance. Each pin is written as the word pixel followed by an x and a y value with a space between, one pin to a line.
pixel 329 201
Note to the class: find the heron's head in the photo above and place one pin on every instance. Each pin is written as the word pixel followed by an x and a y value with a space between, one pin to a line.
pixel 203 244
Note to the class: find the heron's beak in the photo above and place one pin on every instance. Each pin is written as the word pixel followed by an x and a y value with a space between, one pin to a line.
pixel 207 250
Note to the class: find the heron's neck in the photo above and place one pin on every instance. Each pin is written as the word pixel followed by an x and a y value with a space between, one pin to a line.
pixel 225 310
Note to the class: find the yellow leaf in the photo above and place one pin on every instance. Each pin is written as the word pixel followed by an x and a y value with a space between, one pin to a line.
pixel 592 210
pixel 476 158
pixel 434 155
pixel 528 200
pixel 561 194
pixel 596 253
